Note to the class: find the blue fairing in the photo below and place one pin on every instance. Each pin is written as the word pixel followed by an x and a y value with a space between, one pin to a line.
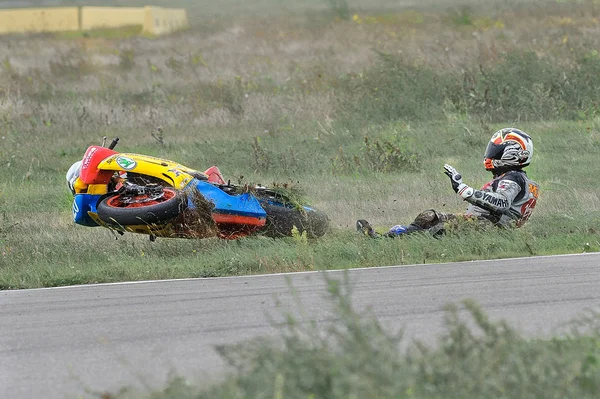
pixel 82 203
pixel 242 205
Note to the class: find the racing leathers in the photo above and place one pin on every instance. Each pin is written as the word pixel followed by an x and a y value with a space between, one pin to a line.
pixel 508 199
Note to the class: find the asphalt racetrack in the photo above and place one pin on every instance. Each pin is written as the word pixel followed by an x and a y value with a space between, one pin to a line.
pixel 69 342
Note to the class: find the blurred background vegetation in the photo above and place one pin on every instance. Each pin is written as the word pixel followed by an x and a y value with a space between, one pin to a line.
pixel 353 355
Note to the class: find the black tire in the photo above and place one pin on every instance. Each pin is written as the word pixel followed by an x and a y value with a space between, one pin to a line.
pixel 281 219
pixel 170 207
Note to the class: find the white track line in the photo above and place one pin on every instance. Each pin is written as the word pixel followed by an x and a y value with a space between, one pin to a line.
pixel 299 273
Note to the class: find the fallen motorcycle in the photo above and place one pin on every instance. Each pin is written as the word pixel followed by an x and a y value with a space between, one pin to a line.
pixel 136 193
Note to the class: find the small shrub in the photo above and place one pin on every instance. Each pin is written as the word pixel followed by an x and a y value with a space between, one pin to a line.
pixel 5 229
pixel 463 17
pixel 72 64
pixel 226 95
pixel 159 136
pixel 261 157
pixel 380 155
pixel 265 159
pixel 342 163
pixel 339 8
pixel 387 156
pixel 175 65
pixel 126 60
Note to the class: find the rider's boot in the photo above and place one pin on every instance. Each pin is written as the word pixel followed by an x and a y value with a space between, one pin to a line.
pixel 364 227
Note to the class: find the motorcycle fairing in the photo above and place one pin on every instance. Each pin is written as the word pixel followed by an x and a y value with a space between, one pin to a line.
pixel 90 174
pixel 243 209
pixel 82 204
pixel 174 174
pixel 214 175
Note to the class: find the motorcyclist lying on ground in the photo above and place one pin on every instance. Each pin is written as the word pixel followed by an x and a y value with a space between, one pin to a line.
pixel 507 200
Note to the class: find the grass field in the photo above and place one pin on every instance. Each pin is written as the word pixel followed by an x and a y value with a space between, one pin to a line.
pixel 359 110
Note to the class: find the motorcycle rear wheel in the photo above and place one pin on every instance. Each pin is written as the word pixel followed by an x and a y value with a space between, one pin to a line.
pixel 113 209
pixel 282 218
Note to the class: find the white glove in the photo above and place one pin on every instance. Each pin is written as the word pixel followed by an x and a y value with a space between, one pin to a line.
pixel 457 184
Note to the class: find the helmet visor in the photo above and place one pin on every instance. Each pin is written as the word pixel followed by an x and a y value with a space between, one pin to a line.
pixel 494 151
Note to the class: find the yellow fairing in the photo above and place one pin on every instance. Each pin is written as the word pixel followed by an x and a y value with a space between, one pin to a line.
pixel 172 173
pixel 80 186
pixel 97 189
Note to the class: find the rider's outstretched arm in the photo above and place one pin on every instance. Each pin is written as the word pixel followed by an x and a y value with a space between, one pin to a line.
pixel 497 202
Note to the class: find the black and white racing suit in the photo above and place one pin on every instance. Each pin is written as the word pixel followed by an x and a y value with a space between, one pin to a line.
pixel 508 199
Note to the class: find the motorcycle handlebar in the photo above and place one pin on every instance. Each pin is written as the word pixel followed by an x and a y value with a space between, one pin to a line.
pixel 113 144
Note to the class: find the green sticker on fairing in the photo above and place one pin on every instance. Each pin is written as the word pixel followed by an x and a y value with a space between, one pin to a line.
pixel 126 163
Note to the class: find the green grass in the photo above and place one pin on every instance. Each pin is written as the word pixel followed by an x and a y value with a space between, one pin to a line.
pixel 360 114
pixel 42 247
pixel 354 356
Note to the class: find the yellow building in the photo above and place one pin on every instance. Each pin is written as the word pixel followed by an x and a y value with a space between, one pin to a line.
pixel 154 20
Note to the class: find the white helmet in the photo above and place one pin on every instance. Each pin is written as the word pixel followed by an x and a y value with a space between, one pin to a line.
pixel 508 149
pixel 72 175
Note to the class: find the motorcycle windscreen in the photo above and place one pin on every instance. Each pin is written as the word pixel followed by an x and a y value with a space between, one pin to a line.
pixel 90 174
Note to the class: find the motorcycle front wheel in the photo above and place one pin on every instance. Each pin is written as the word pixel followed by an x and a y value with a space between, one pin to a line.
pixel 140 209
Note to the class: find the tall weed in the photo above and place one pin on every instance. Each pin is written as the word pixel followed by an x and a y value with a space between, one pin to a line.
pixel 379 155
pixel 354 356
pixel 339 8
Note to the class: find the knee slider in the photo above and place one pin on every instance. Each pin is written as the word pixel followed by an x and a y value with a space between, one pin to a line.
pixel 427 219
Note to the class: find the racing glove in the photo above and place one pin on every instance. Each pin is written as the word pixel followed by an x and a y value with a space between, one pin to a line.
pixel 457 184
